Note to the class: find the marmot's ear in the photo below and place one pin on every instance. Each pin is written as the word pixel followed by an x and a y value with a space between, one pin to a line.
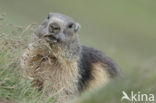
pixel 77 27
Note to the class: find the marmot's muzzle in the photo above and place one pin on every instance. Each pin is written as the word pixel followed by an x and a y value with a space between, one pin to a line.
pixel 51 38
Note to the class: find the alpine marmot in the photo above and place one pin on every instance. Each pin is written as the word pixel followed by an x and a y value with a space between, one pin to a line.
pixel 58 61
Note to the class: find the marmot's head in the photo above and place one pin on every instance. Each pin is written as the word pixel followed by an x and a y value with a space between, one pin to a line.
pixel 60 30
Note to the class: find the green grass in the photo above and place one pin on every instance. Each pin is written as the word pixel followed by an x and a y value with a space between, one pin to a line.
pixel 123 29
pixel 13 86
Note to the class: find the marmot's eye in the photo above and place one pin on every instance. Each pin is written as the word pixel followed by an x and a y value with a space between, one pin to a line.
pixel 70 25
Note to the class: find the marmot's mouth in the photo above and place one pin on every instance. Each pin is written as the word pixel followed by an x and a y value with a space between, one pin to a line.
pixel 51 38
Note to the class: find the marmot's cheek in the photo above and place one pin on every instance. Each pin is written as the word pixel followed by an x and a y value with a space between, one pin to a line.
pixel 37 32
pixel 60 37
pixel 74 36
pixel 40 31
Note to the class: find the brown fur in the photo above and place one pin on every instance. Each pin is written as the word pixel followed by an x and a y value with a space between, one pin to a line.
pixel 60 76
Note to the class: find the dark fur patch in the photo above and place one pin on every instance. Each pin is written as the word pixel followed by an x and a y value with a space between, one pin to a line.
pixel 91 56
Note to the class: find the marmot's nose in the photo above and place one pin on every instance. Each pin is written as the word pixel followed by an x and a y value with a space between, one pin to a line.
pixel 54 28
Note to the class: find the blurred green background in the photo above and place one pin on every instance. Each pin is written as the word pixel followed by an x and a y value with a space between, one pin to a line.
pixel 125 30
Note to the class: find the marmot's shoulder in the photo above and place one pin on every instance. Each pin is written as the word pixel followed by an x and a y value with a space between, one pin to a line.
pixel 90 60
